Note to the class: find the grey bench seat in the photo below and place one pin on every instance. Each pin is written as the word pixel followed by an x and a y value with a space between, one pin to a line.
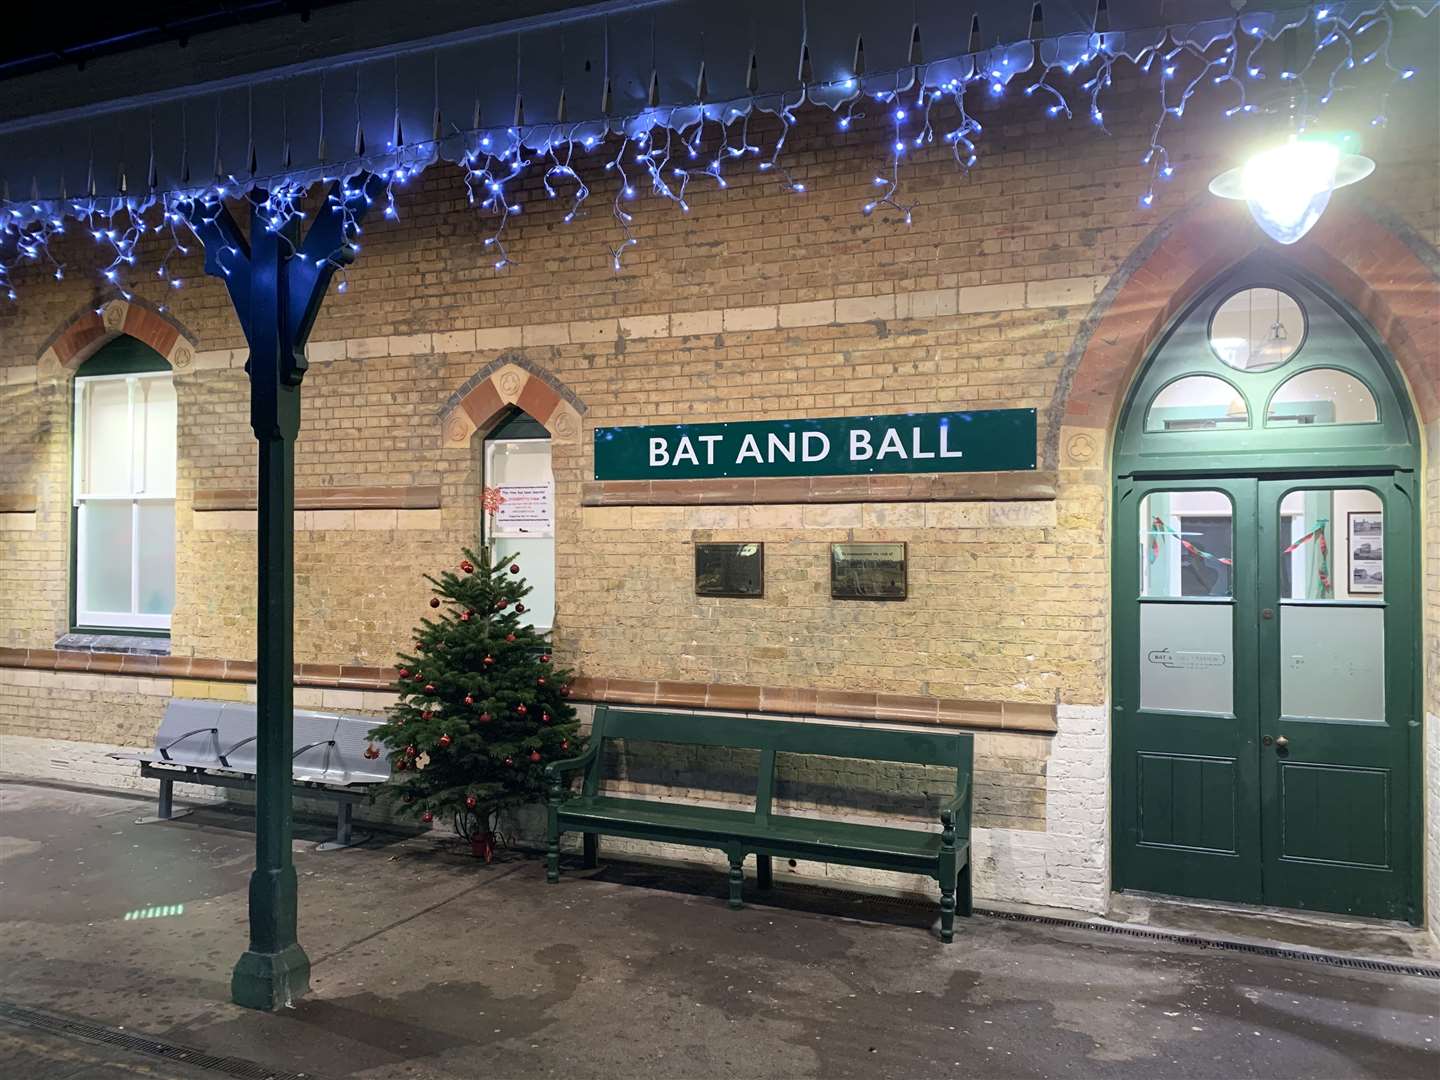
pixel 213 743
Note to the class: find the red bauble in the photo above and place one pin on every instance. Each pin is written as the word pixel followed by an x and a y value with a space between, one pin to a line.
pixel 485 718
pixel 444 741
pixel 429 688
pixel 514 568
pixel 544 717
pixel 501 605
pixel 426 715
pixel 469 700
pixel 471 801
pixel 404 673
pixel 510 761
pixel 410 751
pixel 489 660
pixel 564 744
pixel 545 658
pixel 509 637
pixel 540 681
pixel 371 752
pixel 464 616
pixel 565 690
pixel 467 566
pixel 401 765
pixel 534 755
pixel 427 817
pixel 434 601
pixel 521 709
pixel 519 608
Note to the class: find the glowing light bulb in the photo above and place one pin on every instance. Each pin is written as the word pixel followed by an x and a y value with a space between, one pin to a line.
pixel 1288 187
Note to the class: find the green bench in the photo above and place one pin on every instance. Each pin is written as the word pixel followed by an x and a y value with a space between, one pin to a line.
pixel 943 855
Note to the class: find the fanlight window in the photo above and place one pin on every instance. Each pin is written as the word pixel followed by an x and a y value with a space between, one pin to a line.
pixel 1257 329
pixel 1197 403
pixel 1322 396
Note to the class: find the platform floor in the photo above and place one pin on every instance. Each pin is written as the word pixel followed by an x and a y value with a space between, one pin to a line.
pixel 427 963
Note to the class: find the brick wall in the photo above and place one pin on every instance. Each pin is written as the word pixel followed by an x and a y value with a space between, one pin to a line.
pixel 757 304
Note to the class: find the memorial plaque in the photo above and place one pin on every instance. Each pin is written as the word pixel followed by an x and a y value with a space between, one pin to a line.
pixel 736 570
pixel 867 572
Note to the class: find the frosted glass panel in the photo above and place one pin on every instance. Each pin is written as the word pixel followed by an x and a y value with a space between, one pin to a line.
pixel 155 437
pixel 1187 544
pixel 105 413
pixel 105 557
pixel 1332 662
pixel 536 559
pixel 157 558
pixel 1187 661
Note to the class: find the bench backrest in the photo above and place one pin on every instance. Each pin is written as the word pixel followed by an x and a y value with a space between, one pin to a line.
pixel 189 734
pixel 770 737
pixel 328 748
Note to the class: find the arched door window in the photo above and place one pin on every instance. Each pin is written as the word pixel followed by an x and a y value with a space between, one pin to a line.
pixel 518 508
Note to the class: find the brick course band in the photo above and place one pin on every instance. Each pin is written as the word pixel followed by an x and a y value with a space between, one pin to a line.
pixel 18 503
pixel 420 497
pixel 890 487
pixel 837 704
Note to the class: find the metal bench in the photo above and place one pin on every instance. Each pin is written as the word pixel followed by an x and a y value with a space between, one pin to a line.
pixel 213 743
pixel 943 855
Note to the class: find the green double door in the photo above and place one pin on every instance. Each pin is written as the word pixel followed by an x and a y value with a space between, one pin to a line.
pixel 1265 686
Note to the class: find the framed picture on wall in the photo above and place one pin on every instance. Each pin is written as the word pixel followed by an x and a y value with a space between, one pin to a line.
pixel 1365 536
pixel 867 572
pixel 736 570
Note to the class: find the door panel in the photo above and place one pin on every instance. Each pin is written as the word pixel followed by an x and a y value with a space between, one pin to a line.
pixel 1334 724
pixel 1187 789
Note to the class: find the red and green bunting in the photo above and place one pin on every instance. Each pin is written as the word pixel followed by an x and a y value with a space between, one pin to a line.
pixel 1158 528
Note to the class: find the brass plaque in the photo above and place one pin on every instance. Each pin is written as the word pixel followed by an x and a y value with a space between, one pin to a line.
pixel 867 572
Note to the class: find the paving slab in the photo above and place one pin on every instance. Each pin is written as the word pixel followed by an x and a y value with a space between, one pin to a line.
pixel 429 963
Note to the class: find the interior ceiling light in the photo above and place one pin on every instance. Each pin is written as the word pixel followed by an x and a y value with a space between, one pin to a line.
pixel 1287 187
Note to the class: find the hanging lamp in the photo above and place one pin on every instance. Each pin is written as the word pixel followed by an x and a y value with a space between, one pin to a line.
pixel 1287 187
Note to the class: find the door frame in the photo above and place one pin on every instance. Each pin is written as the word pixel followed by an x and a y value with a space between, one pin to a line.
pixel 1410 654
pixel 1396 450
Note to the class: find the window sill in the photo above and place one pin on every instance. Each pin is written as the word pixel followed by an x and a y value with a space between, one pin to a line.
pixel 113 642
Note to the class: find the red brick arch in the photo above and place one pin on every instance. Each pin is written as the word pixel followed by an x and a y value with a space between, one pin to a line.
pixel 90 328
pixel 511 379
pixel 1380 268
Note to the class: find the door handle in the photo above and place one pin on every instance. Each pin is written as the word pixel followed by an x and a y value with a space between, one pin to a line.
pixel 1281 743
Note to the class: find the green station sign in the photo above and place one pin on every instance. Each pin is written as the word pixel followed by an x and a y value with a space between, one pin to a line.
pixel 993 440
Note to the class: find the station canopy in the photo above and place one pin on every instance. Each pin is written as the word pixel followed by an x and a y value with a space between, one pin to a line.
pixel 578 73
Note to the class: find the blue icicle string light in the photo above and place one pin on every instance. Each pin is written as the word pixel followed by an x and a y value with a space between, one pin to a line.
pixel 669 147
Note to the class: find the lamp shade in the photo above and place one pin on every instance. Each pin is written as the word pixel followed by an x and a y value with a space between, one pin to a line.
pixel 1287 187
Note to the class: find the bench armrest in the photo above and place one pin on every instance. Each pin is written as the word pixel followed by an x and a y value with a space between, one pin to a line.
pixel 956 811
pixel 554 770
pixel 165 750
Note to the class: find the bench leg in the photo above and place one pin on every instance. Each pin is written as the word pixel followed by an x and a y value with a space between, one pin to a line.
pixel 737 879
pixel 344 827
pixel 764 872
pixel 592 850
pixel 967 902
pixel 552 859
pixel 166 806
pixel 947 915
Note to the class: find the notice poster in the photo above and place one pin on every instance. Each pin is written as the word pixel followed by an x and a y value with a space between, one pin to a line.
pixel 526 510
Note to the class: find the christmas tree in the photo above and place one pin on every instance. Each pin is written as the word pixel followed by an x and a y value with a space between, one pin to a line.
pixel 482 709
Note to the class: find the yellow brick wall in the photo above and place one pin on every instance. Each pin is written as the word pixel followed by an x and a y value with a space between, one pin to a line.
pixel 1008 600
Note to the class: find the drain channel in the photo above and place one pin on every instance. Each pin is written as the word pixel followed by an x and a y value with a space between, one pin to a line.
pixel 1279 952
pixel 142 1044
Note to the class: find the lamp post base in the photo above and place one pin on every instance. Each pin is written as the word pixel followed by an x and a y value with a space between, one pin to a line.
pixel 270 981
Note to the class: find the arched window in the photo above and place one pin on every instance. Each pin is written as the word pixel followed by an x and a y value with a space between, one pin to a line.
pixel 123 558
pixel 1263 362
pixel 518 513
